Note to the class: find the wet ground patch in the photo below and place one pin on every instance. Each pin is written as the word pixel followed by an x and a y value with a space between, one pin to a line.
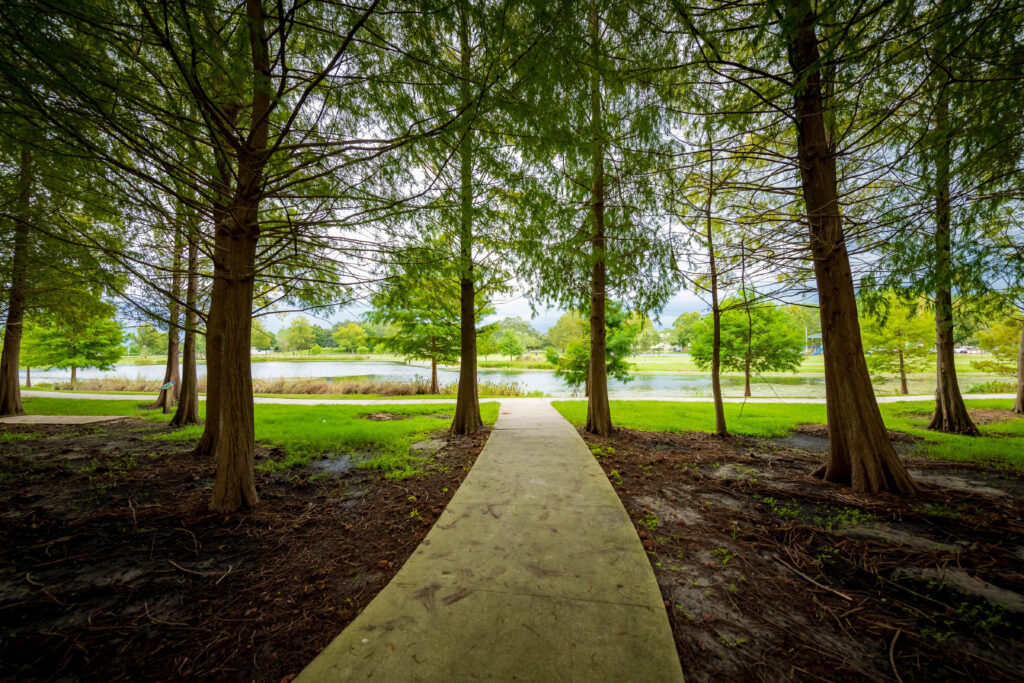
pixel 769 574
pixel 114 568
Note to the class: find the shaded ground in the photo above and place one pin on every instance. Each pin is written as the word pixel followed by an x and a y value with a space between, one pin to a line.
pixel 113 568
pixel 768 574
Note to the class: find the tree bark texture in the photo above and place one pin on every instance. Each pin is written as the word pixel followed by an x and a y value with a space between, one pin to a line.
pixel 10 388
pixel 860 453
pixel 188 404
pixel 172 373
pixel 716 313
pixel 207 444
pixel 215 335
pixel 28 378
pixel 599 417
pixel 950 411
pixel 235 482
pixel 903 374
pixel 467 418
pixel 434 389
pixel 1018 404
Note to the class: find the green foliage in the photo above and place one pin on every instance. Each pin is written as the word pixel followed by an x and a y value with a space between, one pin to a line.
pixel 684 328
pixel 570 327
pixel 530 338
pixel 893 330
pixel 148 340
pixel 775 343
pixel 261 338
pixel 350 337
pixel 509 344
pixel 574 365
pixel 86 337
pixel 1001 339
pixel 299 335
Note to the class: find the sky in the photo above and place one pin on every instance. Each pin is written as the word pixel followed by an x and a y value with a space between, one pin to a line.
pixel 515 305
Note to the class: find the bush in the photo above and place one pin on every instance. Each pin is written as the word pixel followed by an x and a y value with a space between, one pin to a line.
pixel 316 350
pixel 993 387
pixel 363 350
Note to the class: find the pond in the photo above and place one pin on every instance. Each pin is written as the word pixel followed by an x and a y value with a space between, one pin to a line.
pixel 642 384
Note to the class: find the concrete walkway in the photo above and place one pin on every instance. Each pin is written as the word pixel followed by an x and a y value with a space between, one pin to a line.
pixel 534 572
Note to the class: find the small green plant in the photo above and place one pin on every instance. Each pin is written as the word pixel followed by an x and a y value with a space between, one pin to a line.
pixel 748 472
pixel 415 514
pixel 649 521
pixel 615 477
pixel 600 451
pixel 827 556
pixel 731 643
pixel 724 555
pixel 781 511
pixel 844 517
pixel 685 613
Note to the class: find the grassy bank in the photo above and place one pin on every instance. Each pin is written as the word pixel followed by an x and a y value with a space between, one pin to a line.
pixel 304 433
pixel 1000 445
pixel 345 387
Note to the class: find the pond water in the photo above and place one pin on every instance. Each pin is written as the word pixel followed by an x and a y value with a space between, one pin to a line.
pixel 642 384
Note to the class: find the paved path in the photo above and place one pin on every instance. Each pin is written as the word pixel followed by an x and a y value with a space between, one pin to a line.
pixel 504 401
pixel 533 572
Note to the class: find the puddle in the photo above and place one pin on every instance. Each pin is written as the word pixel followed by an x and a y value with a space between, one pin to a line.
pixel 335 464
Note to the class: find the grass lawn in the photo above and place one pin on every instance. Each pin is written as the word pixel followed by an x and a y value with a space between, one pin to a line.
pixel 331 397
pixel 1000 445
pixel 304 432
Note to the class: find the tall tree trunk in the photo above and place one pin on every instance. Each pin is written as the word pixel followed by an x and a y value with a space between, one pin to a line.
pixel 235 482
pixel 434 389
pixel 74 375
pixel 207 444
pixel 903 374
pixel 467 403
pixel 599 416
pixel 1018 404
pixel 168 396
pixel 950 411
pixel 28 378
pixel 10 388
pixel 860 453
pixel 188 404
pixel 716 312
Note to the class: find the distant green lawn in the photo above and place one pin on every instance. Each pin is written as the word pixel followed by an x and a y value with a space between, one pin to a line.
pixel 304 432
pixel 1000 445
pixel 328 397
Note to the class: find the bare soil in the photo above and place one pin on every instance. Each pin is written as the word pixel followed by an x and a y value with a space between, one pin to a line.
pixel 113 568
pixel 769 574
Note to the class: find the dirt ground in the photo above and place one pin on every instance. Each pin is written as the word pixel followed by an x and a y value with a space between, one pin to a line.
pixel 769 574
pixel 114 569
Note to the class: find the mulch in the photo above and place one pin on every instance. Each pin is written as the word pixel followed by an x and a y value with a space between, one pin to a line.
pixel 115 569
pixel 769 574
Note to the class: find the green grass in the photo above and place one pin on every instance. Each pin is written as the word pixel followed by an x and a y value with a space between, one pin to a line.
pixel 1000 445
pixel 757 419
pixel 330 397
pixel 304 432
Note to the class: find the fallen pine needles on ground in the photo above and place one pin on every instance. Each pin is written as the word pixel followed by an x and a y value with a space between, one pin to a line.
pixel 769 574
